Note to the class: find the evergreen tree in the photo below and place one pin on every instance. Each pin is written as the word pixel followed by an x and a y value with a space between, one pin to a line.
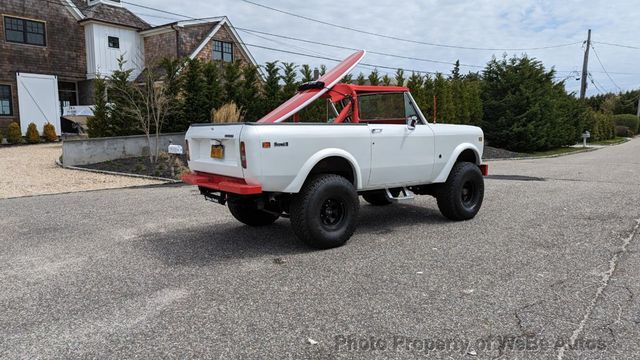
pixel 250 102
pixel 348 79
pixel 99 125
pixel 444 106
pixel 400 77
pixel 374 78
pixel 524 110
pixel 386 80
pixel 121 122
pixel 289 80
pixel 272 94
pixel 360 80
pixel 232 78
pixel 212 85
pixel 306 72
pixel 196 105
pixel 174 117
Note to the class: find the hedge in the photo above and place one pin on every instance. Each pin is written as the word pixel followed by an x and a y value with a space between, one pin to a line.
pixel 628 120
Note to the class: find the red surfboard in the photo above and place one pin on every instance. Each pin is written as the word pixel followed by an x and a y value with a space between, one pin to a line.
pixel 306 97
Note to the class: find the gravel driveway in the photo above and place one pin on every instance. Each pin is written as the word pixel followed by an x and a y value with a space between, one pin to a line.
pixel 31 170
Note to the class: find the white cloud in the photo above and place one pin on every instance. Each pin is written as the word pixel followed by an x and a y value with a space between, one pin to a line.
pixel 484 23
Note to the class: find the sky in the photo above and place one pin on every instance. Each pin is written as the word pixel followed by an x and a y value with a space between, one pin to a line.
pixel 494 24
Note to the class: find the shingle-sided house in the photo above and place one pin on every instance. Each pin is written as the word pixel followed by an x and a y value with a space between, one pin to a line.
pixel 51 52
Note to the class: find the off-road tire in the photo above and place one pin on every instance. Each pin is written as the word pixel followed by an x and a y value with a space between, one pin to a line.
pixel 247 212
pixel 460 198
pixel 325 211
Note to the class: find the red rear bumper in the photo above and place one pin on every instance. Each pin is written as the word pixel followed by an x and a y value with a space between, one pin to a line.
pixel 221 183
pixel 485 169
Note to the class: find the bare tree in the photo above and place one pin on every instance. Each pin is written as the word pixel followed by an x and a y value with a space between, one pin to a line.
pixel 146 101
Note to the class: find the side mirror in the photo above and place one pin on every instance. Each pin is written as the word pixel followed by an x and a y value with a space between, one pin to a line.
pixel 411 122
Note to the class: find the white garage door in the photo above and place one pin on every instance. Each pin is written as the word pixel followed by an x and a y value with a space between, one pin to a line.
pixel 38 101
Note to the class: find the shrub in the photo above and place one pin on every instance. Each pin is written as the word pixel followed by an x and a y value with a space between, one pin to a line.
pixel 1 135
pixel 33 136
pixel 623 131
pixel 628 120
pixel 14 134
pixel 601 126
pixel 227 113
pixel 49 132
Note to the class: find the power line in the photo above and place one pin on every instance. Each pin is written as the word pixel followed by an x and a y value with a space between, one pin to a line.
pixel 403 39
pixel 351 48
pixel 617 45
pixel 338 60
pixel 599 88
pixel 603 69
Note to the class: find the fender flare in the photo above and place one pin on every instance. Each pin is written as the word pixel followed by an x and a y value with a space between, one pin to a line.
pixel 305 170
pixel 444 174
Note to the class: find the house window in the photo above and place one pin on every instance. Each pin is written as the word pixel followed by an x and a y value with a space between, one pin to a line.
pixel 24 31
pixel 223 51
pixel 5 101
pixel 114 42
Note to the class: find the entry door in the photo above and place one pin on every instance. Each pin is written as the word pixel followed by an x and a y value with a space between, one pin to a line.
pixel 38 101
pixel 400 155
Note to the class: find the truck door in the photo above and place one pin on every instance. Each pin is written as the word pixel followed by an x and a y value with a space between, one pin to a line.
pixel 401 154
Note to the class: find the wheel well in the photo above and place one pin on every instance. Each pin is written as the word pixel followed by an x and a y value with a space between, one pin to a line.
pixel 335 165
pixel 467 155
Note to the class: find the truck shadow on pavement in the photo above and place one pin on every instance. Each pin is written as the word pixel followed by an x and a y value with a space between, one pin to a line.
pixel 226 241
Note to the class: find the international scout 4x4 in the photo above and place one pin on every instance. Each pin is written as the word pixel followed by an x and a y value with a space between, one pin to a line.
pixel 375 143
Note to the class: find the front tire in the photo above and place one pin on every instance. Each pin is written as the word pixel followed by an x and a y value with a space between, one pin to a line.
pixel 247 212
pixel 324 213
pixel 460 198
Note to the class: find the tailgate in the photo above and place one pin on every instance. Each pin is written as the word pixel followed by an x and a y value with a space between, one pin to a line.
pixel 215 149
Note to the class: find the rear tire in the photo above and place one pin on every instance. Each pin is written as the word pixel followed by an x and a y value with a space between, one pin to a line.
pixel 324 213
pixel 247 212
pixel 460 198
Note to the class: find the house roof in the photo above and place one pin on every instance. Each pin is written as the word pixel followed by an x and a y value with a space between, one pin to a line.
pixel 117 15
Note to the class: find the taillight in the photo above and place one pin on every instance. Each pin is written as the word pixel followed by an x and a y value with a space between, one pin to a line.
pixel 243 155
pixel 186 150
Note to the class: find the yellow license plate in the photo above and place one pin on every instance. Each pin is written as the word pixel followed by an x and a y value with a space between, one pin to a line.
pixel 217 151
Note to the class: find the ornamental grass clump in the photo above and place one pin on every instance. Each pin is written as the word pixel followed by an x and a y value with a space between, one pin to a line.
pixel 227 113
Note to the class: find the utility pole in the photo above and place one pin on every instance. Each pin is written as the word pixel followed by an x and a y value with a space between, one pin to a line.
pixel 585 67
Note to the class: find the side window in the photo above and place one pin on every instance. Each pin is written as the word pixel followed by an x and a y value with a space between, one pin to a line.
pixel 409 109
pixel 383 107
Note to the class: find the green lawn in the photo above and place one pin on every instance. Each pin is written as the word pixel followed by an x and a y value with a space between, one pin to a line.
pixel 615 141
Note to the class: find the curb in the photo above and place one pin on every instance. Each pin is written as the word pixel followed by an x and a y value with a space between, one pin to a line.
pixel 545 156
pixel 115 173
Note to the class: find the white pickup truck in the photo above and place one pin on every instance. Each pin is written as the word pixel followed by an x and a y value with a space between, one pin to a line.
pixel 374 142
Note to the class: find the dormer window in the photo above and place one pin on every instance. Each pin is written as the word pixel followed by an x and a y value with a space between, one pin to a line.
pixel 113 42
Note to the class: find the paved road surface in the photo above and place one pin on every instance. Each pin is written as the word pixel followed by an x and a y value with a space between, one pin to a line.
pixel 552 256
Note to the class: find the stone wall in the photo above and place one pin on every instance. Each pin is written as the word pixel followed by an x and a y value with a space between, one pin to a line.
pixel 91 151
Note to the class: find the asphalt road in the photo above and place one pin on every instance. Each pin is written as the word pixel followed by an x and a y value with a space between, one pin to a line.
pixel 553 256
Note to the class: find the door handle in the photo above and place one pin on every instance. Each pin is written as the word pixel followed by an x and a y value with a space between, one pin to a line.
pixel 376 131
